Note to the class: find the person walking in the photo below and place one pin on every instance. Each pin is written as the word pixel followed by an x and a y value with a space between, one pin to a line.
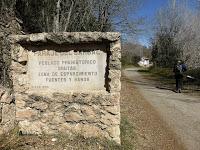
pixel 179 69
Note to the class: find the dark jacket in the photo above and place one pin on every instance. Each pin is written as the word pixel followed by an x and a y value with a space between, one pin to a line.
pixel 179 70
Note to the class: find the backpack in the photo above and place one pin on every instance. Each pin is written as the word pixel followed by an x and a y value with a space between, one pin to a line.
pixel 179 69
pixel 184 67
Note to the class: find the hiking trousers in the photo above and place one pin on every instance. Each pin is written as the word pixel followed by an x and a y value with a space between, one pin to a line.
pixel 179 83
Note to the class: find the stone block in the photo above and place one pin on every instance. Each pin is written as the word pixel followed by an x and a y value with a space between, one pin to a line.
pixel 20 103
pixel 26 114
pixel 19 54
pixel 6 97
pixel 114 132
pixel 18 68
pixel 66 127
pixel 58 119
pixel 73 117
pixel 114 110
pixel 88 130
pixel 8 113
pixel 90 114
pixel 115 46
pixel 109 119
pixel 111 100
pixel 2 91
pixel 1 106
pixel 61 97
pixel 39 106
pixel 38 37
pixel 27 127
pixel 47 117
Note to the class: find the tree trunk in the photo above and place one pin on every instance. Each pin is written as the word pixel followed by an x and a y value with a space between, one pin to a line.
pixel 69 15
pixel 57 17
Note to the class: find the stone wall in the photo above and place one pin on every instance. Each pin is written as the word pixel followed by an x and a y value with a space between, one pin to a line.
pixel 7 110
pixel 92 113
pixel 9 24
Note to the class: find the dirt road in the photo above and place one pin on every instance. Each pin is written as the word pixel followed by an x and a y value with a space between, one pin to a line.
pixel 180 112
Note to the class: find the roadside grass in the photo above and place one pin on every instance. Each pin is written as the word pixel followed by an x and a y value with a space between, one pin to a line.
pixel 14 141
pixel 164 77
pixel 124 66
pixel 158 72
pixel 127 134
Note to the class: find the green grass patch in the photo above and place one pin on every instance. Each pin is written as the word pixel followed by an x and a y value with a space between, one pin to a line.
pixel 128 66
pixel 127 135
pixel 157 71
pixel 162 72
pixel 161 76
pixel 144 70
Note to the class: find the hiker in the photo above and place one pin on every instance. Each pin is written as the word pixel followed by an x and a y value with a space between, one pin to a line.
pixel 179 69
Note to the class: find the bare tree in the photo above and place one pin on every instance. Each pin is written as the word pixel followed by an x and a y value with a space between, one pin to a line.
pixel 188 39
pixel 57 17
pixel 78 15
pixel 177 35
pixel 165 51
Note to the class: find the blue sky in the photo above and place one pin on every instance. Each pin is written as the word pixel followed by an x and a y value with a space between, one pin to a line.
pixel 148 10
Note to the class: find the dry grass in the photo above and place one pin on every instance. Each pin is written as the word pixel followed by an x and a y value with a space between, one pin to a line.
pixel 14 141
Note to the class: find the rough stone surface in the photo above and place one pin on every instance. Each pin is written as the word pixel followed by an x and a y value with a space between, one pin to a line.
pixel 67 38
pixel 6 97
pixel 9 25
pixel 7 110
pixel 92 113
pixel 27 113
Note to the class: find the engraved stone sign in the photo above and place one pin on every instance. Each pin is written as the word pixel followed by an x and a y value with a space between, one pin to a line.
pixel 67 71
pixel 67 83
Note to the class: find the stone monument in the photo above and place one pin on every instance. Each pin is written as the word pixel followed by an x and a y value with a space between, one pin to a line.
pixel 67 83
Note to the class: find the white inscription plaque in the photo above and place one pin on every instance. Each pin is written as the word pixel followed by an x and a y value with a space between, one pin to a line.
pixel 67 71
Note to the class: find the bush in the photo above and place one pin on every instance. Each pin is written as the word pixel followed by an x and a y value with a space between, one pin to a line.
pixel 130 60
pixel 164 72
pixel 194 73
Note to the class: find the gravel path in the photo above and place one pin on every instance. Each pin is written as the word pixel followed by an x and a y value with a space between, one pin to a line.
pixel 180 112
